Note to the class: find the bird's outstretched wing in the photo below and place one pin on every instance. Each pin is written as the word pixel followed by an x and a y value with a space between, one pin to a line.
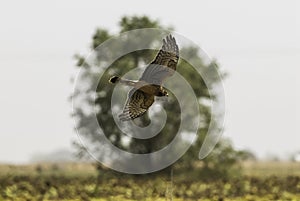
pixel 136 105
pixel 164 64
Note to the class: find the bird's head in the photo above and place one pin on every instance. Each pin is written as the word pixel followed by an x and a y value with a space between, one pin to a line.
pixel 163 93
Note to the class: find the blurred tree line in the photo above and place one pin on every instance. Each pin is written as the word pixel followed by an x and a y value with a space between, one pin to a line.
pixel 222 162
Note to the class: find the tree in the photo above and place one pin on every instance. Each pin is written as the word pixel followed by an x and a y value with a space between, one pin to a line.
pixel 223 152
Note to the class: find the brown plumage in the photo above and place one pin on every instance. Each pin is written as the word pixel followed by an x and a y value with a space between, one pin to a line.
pixel 141 97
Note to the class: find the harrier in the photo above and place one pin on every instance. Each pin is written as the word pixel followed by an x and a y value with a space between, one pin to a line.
pixel 141 97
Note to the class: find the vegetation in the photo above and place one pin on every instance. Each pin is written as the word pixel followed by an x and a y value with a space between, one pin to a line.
pixel 80 182
pixel 223 153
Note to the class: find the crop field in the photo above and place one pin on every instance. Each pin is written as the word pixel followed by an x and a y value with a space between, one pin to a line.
pixel 81 182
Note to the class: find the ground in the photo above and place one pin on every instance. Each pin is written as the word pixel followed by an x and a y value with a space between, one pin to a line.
pixel 74 181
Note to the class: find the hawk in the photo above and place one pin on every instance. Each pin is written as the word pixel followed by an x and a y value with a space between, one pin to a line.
pixel 141 96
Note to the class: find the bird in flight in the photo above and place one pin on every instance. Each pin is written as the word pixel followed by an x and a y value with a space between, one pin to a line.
pixel 141 96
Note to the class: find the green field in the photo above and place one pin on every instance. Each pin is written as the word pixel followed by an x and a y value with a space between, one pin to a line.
pixel 260 181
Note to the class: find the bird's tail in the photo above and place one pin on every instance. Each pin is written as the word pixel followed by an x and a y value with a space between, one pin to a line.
pixel 114 79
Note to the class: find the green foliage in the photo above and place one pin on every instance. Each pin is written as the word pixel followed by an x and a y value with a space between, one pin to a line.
pixel 126 188
pixel 135 22
pixel 224 156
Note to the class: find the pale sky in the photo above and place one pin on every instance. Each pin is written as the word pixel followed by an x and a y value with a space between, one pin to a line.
pixel 256 42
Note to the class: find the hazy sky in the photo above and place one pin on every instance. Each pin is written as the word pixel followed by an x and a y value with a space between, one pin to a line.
pixel 256 42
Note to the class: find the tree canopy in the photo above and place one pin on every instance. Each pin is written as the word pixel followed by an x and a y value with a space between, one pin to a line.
pixel 223 157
